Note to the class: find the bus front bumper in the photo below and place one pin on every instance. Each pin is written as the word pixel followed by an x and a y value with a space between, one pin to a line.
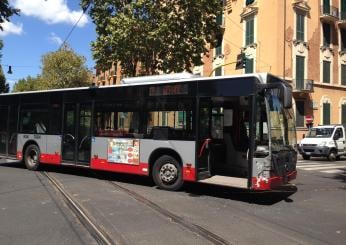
pixel 265 184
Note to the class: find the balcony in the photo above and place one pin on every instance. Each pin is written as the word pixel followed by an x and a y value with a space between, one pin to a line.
pixel 303 85
pixel 329 13
pixel 342 20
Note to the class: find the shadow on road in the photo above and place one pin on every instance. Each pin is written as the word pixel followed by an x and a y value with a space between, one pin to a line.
pixel 193 189
pixel 341 176
pixel 261 198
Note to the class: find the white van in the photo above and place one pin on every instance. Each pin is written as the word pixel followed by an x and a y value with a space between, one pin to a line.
pixel 326 140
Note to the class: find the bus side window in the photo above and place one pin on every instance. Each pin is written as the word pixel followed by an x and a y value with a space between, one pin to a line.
pixel 34 119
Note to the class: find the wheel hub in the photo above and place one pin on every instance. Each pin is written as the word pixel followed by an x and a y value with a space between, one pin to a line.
pixel 168 173
pixel 32 158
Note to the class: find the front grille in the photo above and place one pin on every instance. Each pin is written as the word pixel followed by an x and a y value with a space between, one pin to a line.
pixel 309 150
pixel 309 144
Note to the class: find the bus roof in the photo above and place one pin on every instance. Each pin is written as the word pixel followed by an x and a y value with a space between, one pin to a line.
pixel 261 77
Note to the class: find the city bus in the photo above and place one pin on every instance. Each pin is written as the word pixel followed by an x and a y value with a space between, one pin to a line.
pixel 235 131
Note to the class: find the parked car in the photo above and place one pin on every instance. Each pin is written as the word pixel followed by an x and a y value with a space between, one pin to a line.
pixel 324 141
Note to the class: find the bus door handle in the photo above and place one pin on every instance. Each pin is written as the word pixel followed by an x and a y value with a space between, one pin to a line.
pixel 68 135
pixel 204 146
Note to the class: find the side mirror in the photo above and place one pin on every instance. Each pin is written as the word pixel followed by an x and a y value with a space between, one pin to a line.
pixel 336 136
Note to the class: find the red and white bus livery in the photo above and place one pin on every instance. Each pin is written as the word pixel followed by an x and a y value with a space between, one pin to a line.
pixel 236 131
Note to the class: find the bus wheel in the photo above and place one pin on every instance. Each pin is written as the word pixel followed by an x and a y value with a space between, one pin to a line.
pixel 32 157
pixel 167 173
pixel 332 156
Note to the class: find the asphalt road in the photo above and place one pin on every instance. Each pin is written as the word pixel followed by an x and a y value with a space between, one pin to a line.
pixel 33 212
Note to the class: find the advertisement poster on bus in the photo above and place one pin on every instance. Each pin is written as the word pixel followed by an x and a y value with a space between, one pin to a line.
pixel 123 151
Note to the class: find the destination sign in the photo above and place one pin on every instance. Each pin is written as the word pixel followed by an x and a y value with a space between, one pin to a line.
pixel 177 89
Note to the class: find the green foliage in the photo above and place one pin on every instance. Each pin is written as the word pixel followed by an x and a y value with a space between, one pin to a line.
pixel 166 35
pixel 27 84
pixel 4 87
pixel 6 11
pixel 60 69
pixel 64 69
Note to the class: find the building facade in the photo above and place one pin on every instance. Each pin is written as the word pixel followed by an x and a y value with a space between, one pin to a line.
pixel 301 41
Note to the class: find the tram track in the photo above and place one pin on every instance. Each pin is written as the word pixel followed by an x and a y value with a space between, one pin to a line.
pixel 95 230
pixel 102 237
pixel 187 225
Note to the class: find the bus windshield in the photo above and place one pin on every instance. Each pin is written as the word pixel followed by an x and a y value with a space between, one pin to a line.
pixel 282 126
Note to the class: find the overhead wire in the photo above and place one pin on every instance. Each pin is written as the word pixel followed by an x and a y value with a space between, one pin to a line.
pixel 74 26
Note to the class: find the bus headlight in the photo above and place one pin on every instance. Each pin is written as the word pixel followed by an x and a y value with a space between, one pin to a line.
pixel 323 143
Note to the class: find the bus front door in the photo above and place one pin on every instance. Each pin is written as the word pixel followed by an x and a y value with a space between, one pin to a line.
pixel 76 139
pixel 204 140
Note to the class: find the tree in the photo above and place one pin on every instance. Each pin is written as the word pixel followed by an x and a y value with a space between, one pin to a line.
pixel 148 36
pixel 27 84
pixel 64 69
pixel 4 87
pixel 6 11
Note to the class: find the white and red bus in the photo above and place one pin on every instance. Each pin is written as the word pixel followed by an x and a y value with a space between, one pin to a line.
pixel 235 131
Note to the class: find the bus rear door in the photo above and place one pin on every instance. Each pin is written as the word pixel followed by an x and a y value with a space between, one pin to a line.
pixel 76 138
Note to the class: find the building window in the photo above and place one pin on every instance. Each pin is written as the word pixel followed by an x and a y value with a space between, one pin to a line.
pixel 249 67
pixel 343 114
pixel 326 34
pixel 300 33
pixel 218 46
pixel 326 113
pixel 249 35
pixel 343 39
pixel 326 71
pixel 300 67
pixel 343 74
pixel 343 9
pixel 218 71
pixel 219 19
pixel 326 6
pixel 248 2
pixel 300 113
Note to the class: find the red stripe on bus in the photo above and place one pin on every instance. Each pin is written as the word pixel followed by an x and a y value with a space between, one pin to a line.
pixel 103 164
pixel 189 174
pixel 272 182
pixel 54 159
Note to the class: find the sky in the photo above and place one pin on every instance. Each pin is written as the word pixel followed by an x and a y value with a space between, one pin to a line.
pixel 41 27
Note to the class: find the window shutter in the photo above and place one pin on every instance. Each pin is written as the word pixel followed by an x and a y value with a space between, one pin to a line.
pixel 249 33
pixel 343 114
pixel 326 71
pixel 326 113
pixel 218 72
pixel 249 68
pixel 300 26
pixel 343 74
pixel 300 72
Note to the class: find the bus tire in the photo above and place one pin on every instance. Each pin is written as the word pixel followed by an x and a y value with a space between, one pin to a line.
pixel 32 157
pixel 332 156
pixel 167 173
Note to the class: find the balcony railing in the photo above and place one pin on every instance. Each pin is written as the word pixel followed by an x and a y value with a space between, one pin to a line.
pixel 303 85
pixel 329 13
